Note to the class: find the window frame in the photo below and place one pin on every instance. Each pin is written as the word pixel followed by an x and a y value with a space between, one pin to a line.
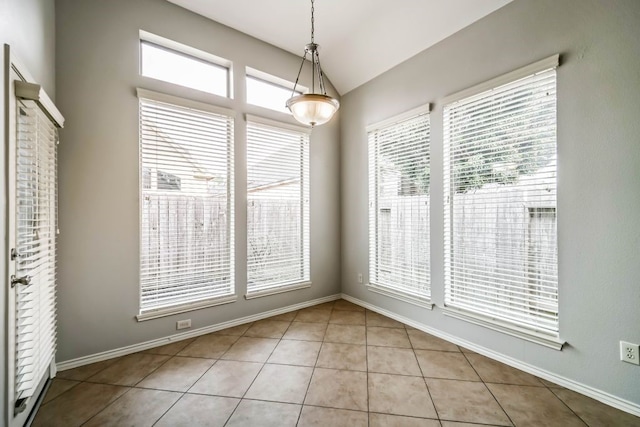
pixel 305 235
pixel 496 323
pixel 271 80
pixel 188 52
pixel 231 296
pixel 421 300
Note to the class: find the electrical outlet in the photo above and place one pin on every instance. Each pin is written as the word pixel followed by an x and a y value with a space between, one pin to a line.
pixel 183 324
pixel 629 352
pixel 359 277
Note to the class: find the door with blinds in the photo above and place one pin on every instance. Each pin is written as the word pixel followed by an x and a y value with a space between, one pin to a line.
pixel 32 221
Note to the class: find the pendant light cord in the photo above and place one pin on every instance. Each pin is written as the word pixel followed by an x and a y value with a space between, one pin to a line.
pixel 312 22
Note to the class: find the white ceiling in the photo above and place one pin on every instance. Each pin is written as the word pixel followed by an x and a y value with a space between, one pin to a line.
pixel 360 39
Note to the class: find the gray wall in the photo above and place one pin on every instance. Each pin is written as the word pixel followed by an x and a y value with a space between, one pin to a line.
pixel 28 27
pixel 598 173
pixel 97 73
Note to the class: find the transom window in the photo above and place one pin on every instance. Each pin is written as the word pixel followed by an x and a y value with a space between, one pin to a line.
pixel 182 65
pixel 265 90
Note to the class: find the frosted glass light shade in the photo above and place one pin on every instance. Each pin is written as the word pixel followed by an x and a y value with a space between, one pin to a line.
pixel 313 109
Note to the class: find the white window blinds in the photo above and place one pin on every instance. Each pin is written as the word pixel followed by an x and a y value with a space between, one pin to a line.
pixel 186 207
pixel 35 251
pixel 500 203
pixel 277 206
pixel 399 177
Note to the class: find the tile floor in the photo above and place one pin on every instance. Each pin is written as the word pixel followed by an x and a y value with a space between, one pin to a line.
pixel 334 364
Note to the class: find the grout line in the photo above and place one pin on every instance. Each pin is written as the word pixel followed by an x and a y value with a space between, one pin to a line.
pixel 565 404
pixel 313 371
pixel 486 387
pixel 106 406
pixel 169 408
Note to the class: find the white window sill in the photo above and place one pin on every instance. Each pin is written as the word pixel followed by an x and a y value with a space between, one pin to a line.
pixel 402 296
pixel 277 290
pixel 506 328
pixel 154 314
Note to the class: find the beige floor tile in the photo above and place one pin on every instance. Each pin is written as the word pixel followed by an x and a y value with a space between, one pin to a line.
pixel 281 383
pixel 293 352
pixel 313 416
pixel 400 395
pixel 385 420
pixel 83 372
pixel 58 386
pixel 423 341
pixel 389 360
pixel 137 407
pixel 305 331
pixel 129 370
pixel 533 406
pixel 346 334
pixel 594 413
pixel 170 349
pixel 492 371
pixel 338 389
pixel 235 331
pixel 466 350
pixel 264 414
pixel 285 317
pixel 342 317
pixel 466 401
pixel 210 346
pixel 248 349
pixel 227 378
pixel 375 319
pixel 387 337
pixel 343 356
pixel 178 374
pixel 459 424
pixel 444 364
pixel 201 411
pixel 313 316
pixel 342 304
pixel 267 329
pixel 77 405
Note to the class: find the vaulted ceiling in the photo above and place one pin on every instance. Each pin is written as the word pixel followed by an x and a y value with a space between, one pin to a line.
pixel 360 39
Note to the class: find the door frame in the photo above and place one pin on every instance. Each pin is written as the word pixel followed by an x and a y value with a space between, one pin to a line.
pixel 14 69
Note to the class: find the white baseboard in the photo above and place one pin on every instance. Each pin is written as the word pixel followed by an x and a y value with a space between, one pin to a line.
pixel 599 395
pixel 123 351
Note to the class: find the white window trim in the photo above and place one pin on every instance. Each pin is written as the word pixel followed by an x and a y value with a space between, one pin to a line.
pixel 183 102
pixel 155 314
pixel 506 328
pixel 489 322
pixel 278 290
pixel 277 124
pixel 542 65
pixel 423 109
pixel 401 296
pixel 371 286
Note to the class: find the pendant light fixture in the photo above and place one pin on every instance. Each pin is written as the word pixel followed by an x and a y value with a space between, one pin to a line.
pixel 312 109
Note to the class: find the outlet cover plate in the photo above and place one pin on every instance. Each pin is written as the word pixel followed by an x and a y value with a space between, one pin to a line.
pixel 183 324
pixel 629 352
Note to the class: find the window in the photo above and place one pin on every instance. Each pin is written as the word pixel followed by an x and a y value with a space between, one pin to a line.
pixel 172 62
pixel 186 206
pixel 269 91
pixel 501 255
pixel 277 207
pixel 399 180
